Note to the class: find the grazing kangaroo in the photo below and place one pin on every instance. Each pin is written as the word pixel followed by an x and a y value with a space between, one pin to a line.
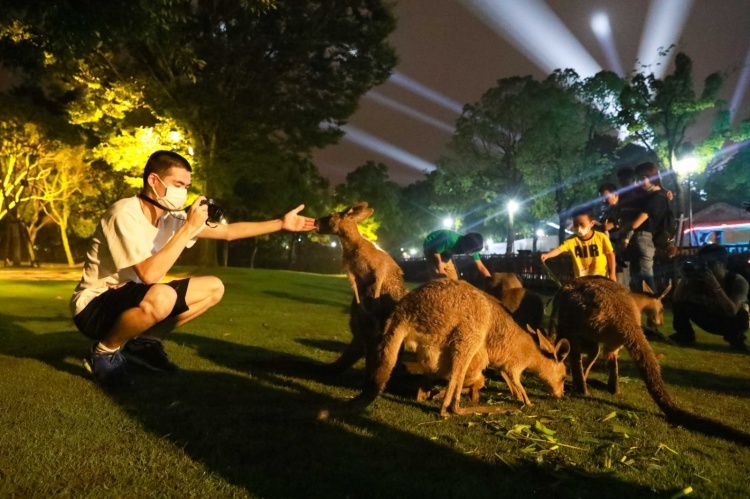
pixel 594 311
pixel 526 307
pixel 376 279
pixel 457 331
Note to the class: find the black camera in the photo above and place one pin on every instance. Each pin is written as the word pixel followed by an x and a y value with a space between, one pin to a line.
pixel 215 212
pixel 693 267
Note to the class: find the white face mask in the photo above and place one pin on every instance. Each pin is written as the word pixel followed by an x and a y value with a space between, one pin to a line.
pixel 174 199
pixel 581 231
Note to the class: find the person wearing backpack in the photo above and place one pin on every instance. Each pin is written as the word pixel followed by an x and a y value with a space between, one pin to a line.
pixel 652 208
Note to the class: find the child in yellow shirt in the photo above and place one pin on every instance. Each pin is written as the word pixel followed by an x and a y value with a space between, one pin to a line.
pixel 591 250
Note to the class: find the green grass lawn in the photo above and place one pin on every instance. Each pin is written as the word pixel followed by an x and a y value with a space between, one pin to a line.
pixel 237 420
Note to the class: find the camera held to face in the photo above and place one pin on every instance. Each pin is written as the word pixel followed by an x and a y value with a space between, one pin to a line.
pixel 694 267
pixel 215 212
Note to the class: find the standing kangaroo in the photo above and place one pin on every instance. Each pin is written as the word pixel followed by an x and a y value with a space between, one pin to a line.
pixel 594 311
pixel 457 331
pixel 647 303
pixel 376 280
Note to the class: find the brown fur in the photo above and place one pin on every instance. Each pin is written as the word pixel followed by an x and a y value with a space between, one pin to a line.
pixel 376 279
pixel 593 311
pixel 648 304
pixel 526 307
pixel 457 331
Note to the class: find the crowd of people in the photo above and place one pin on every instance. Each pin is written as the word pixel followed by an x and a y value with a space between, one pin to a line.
pixel 121 304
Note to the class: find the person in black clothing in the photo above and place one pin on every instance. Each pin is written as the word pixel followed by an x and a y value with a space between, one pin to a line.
pixel 610 222
pixel 652 208
pixel 713 298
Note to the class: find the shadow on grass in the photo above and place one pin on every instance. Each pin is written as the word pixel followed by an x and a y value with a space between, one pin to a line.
pixel 260 433
pixel 713 382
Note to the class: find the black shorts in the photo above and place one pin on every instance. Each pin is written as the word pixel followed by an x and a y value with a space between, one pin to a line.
pixel 100 315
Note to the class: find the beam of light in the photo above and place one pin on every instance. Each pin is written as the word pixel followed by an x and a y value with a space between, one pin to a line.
pixel 409 111
pixel 426 92
pixel 701 228
pixel 664 24
pixel 364 139
pixel 739 90
pixel 534 29
pixel 603 32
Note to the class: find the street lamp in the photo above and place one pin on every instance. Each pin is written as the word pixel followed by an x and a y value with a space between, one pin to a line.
pixel 512 208
pixel 448 222
pixel 686 166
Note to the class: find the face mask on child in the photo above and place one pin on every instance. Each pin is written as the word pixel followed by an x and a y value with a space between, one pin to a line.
pixel 581 231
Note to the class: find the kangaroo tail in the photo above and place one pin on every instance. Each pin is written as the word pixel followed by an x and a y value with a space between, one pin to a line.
pixel 648 366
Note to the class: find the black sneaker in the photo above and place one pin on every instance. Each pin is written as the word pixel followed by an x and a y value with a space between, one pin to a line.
pixel 108 369
pixel 682 340
pixel 148 353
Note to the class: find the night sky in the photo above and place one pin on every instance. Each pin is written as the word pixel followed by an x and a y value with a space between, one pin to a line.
pixel 454 49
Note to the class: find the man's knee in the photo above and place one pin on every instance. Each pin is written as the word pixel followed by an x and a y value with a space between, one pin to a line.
pixel 216 288
pixel 159 302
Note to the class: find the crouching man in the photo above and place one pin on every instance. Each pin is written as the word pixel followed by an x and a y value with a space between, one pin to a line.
pixel 711 297
pixel 119 302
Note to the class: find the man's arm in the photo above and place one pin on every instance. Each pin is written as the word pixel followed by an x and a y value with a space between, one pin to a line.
pixel 730 302
pixel 482 268
pixel 292 222
pixel 440 264
pixel 153 268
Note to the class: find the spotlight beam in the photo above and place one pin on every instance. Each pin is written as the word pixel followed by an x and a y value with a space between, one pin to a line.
pixel 410 111
pixel 425 92
pixel 368 141
pixel 603 32
pixel 536 31
pixel 664 24
pixel 739 90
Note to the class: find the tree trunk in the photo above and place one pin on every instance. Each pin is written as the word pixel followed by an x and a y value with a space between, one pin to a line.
pixel 255 252
pixel 66 243
pixel 207 247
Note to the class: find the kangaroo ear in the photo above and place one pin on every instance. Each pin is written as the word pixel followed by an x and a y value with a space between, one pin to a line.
pixel 562 350
pixel 544 344
pixel 647 288
pixel 666 290
pixel 359 212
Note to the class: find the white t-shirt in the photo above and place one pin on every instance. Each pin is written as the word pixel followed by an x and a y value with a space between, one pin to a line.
pixel 123 238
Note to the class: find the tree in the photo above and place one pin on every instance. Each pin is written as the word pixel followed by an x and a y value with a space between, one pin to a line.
pixel 658 112
pixel 569 148
pixel 482 173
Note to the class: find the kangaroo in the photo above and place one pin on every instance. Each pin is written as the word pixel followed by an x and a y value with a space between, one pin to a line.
pixel 602 311
pixel 457 331
pixel 376 280
pixel 526 307
pixel 648 304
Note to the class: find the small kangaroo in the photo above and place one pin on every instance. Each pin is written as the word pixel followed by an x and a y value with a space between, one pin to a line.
pixel 457 331
pixel 648 304
pixel 526 307
pixel 602 311
pixel 376 279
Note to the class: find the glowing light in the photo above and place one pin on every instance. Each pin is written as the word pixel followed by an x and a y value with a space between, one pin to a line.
pixel 373 143
pixel 539 233
pixel 190 151
pixel 409 111
pixel 412 251
pixel 600 27
pixel 333 244
pixel 426 92
pixel 175 136
pixel 686 165
pixel 223 221
pixel 739 225
pixel 534 29
pixel 448 222
pixel 490 242
pixel 664 24
pixel 513 206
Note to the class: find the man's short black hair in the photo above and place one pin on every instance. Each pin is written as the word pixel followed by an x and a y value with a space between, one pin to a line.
pixel 161 161
pixel 607 186
pixel 713 253
pixel 471 243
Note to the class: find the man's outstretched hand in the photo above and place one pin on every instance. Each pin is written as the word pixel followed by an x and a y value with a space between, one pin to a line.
pixel 294 222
